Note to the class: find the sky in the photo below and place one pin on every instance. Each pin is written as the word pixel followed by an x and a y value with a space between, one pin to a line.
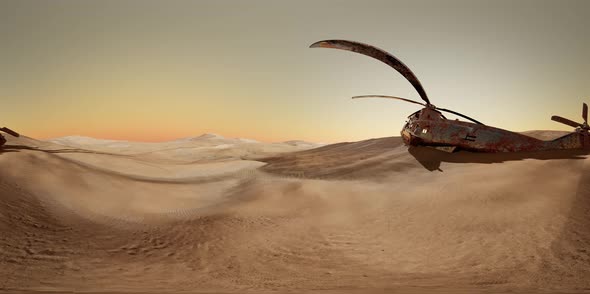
pixel 161 70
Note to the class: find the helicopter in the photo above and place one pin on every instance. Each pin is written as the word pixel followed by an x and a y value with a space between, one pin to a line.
pixel 8 131
pixel 429 127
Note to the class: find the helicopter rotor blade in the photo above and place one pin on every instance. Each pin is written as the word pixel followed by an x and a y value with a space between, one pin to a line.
pixel 459 114
pixel 9 131
pixel 378 54
pixel 389 97
pixel 565 121
pixel 585 112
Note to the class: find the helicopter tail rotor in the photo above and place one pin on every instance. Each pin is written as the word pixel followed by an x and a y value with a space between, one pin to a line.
pixel 565 121
pixel 582 126
pixel 585 112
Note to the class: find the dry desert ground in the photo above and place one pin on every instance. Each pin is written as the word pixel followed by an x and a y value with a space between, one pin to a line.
pixel 211 214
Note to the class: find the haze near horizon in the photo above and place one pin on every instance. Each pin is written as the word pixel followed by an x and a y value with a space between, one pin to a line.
pixel 155 71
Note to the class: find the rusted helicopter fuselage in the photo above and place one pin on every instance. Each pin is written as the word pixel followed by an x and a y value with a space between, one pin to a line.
pixel 428 127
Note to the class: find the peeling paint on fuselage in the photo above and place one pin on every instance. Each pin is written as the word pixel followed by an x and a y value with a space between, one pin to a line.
pixel 429 127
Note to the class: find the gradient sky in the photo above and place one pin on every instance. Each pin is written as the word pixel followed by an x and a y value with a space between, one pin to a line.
pixel 159 70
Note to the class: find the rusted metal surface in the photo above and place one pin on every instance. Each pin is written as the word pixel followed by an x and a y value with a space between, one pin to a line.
pixel 428 127
pixel 8 131
pixel 378 54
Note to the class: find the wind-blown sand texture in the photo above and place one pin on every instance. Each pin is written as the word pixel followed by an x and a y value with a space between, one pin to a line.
pixel 210 214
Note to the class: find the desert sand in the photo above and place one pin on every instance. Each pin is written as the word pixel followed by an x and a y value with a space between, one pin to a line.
pixel 211 214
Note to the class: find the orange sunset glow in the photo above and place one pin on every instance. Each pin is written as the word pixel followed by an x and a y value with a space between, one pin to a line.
pixel 169 69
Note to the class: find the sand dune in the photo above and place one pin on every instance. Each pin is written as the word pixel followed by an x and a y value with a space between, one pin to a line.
pixel 206 147
pixel 189 215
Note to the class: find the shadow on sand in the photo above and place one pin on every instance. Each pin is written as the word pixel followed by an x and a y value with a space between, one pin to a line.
pixel 431 158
